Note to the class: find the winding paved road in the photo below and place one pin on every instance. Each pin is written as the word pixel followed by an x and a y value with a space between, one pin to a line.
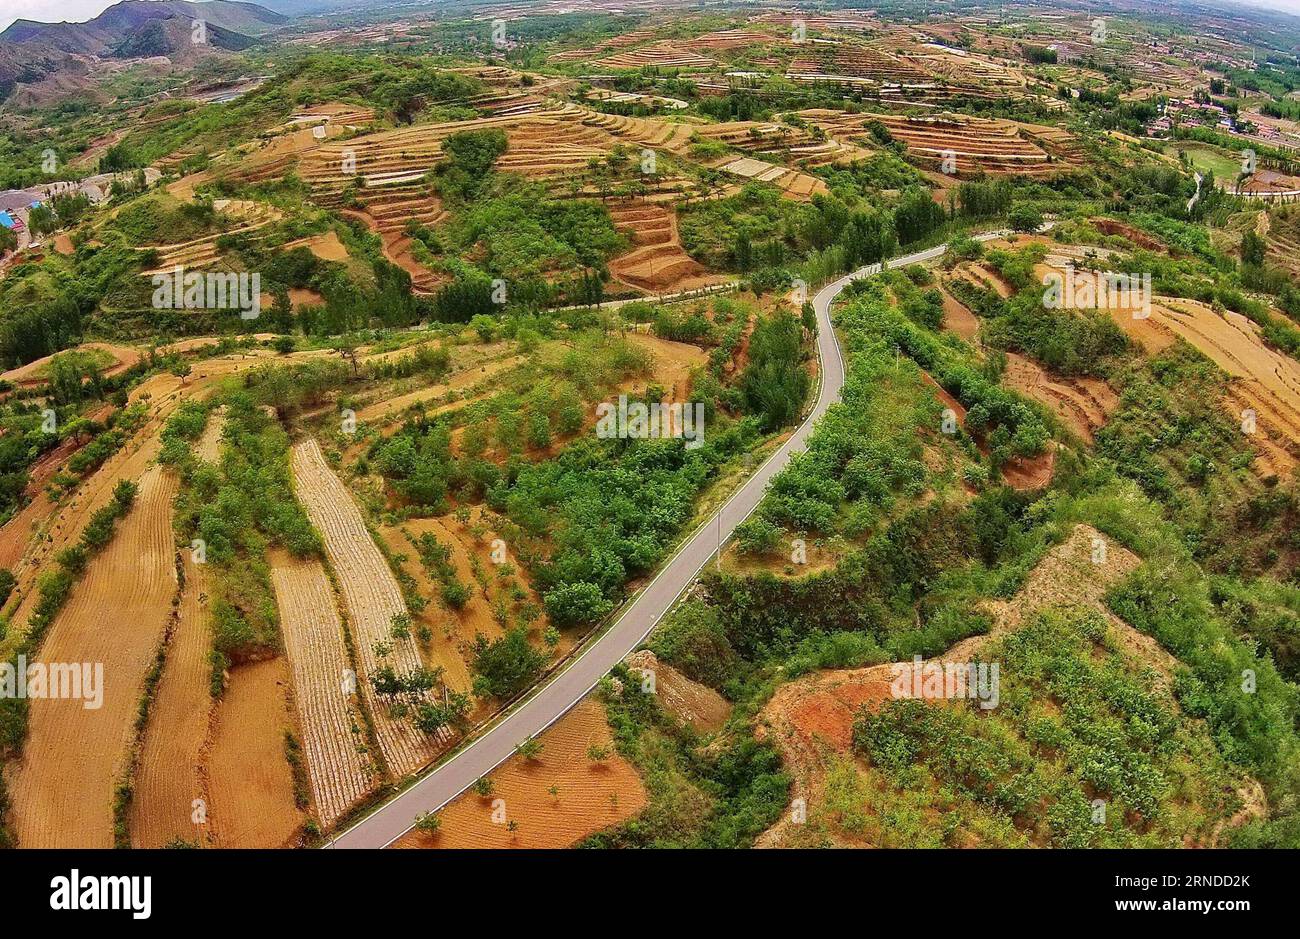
pixel 393 819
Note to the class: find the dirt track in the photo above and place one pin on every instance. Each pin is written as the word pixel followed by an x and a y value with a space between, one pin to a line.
pixel 208 446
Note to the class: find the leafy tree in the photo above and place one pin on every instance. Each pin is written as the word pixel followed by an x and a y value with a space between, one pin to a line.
pixel 757 536
pixel 774 383
pixel 505 666
pixel 42 220
pixel 530 749
pixel 485 326
pixel 916 215
pixel 456 594
pixel 453 712
pixel 428 823
pixel 470 156
pixel 1023 218
pixel 469 295
pixel 70 207
pixel 1253 248
pixel 117 158
pixel 868 237
pixel 575 603
pixel 984 198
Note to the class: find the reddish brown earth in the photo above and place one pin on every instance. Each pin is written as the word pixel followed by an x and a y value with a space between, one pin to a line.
pixel 688 701
pixel 117 614
pixel 958 318
pixel 1018 473
pixel 589 795
pixel 248 774
pixel 169 778
pixel 656 262
pixel 810 720
pixel 1082 403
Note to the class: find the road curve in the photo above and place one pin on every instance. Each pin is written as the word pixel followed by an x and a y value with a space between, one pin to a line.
pixel 390 821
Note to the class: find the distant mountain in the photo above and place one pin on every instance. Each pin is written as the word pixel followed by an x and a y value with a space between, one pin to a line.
pixel 29 51
pixel 112 26
pixel 173 37
pixel 64 37
pixel 247 18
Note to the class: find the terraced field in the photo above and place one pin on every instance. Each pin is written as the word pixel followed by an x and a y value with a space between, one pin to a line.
pixel 387 213
pixel 371 599
pixel 1083 404
pixel 664 54
pixel 1281 230
pixel 855 64
pixel 554 801
pixel 657 262
pixel 170 776
pixel 249 781
pixel 975 144
pixel 792 183
pixel 1264 381
pixel 117 614
pixel 810 720
pixel 391 407
pixel 204 252
pixel 640 131
pixel 623 41
pixel 333 734
pixel 784 143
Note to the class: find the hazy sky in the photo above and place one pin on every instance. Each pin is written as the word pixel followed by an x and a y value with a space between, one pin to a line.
pixel 77 11
pixel 51 10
